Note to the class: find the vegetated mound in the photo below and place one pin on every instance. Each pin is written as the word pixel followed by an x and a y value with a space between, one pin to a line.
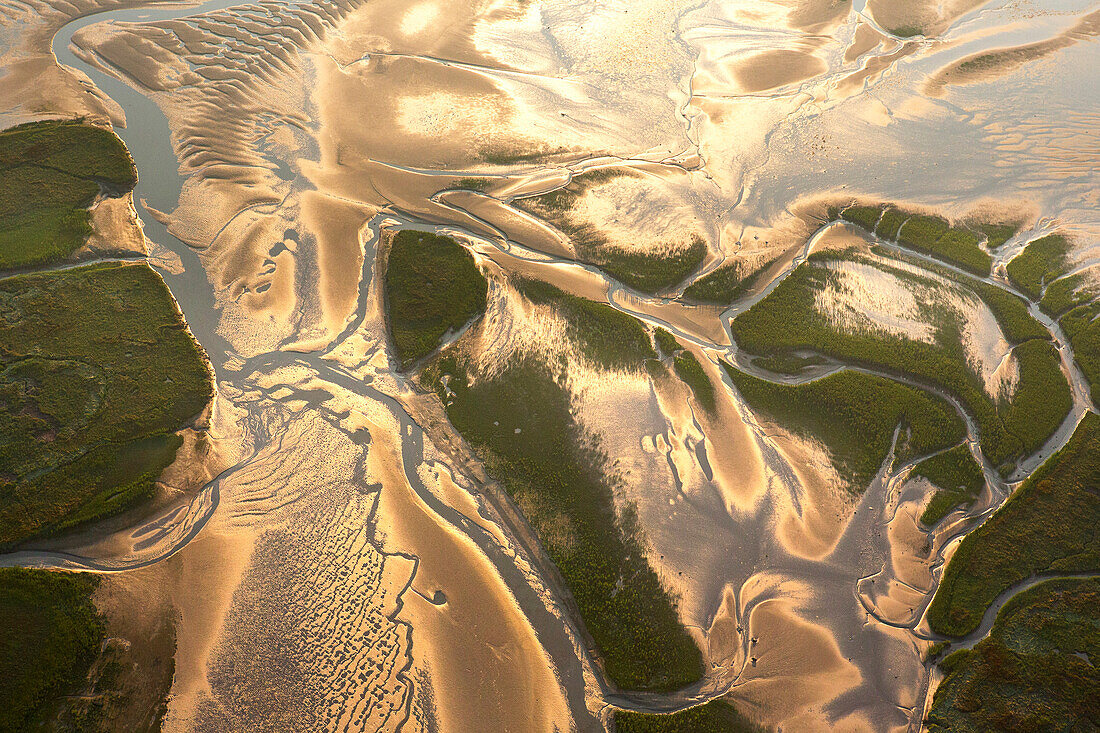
pixel 1051 524
pixel 1040 261
pixel 97 373
pixel 734 278
pixel 50 173
pixel 929 234
pixel 1035 671
pixel 433 286
pixel 520 418
pixel 1043 269
pixel 927 344
pixel 648 268
pixel 609 337
pixel 854 416
pixel 958 479
pixel 716 716
pixel 52 633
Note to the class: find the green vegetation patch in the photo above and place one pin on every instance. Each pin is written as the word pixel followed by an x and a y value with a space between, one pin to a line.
pixel 716 716
pixel 1050 524
pixel 957 476
pixel 647 272
pixel 864 216
pixel 890 223
pixel 1066 293
pixel 691 371
pixel 472 184
pixel 1040 261
pixel 934 236
pixel 788 363
pixel 1036 671
pixel 666 342
pixel 1082 326
pixel 607 336
pixel 521 422
pixel 1009 431
pixel 854 416
pixel 433 286
pixel 50 173
pixel 97 372
pixel 931 235
pixel 996 234
pixel 52 634
pixel 724 284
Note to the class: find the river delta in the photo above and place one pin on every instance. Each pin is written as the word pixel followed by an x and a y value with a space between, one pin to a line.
pixel 535 365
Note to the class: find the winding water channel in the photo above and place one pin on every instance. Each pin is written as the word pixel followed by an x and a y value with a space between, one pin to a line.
pixel 148 136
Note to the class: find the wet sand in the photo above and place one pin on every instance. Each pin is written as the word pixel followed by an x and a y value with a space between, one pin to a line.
pixel 306 593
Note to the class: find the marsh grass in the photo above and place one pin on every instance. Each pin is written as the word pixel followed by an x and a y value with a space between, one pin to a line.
pixel 97 372
pixel 787 363
pixel 930 235
pixel 1082 326
pixel 854 416
pixel 716 716
pixel 50 173
pixel 522 424
pixel 1065 294
pixel 51 635
pixel 1050 524
pixel 666 342
pixel 645 271
pixel 724 284
pixel 472 183
pixel 1042 260
pixel 996 233
pixel 432 286
pixel 692 373
pixel 1009 431
pixel 1036 670
pixel 958 478
pixel 607 336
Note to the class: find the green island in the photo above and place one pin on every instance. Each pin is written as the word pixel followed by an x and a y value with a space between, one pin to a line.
pixel 854 415
pixel 1009 430
pixel 716 716
pixel 1035 671
pixel 98 373
pixel 957 477
pixel 928 234
pixel 1068 297
pixel 1051 524
pixel 59 636
pixel 666 342
pixel 50 173
pixel 432 287
pixel 1030 270
pixel 640 270
pixel 691 372
pixel 565 486
pixel 724 284
pixel 607 336
pixel 787 363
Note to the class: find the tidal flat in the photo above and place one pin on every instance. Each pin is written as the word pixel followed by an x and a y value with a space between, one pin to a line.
pixel 786 302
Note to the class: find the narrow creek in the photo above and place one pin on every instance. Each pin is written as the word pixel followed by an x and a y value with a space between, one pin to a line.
pixel 147 134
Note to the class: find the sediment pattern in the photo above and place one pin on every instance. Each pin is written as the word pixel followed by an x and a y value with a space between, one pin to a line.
pixel 307 133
